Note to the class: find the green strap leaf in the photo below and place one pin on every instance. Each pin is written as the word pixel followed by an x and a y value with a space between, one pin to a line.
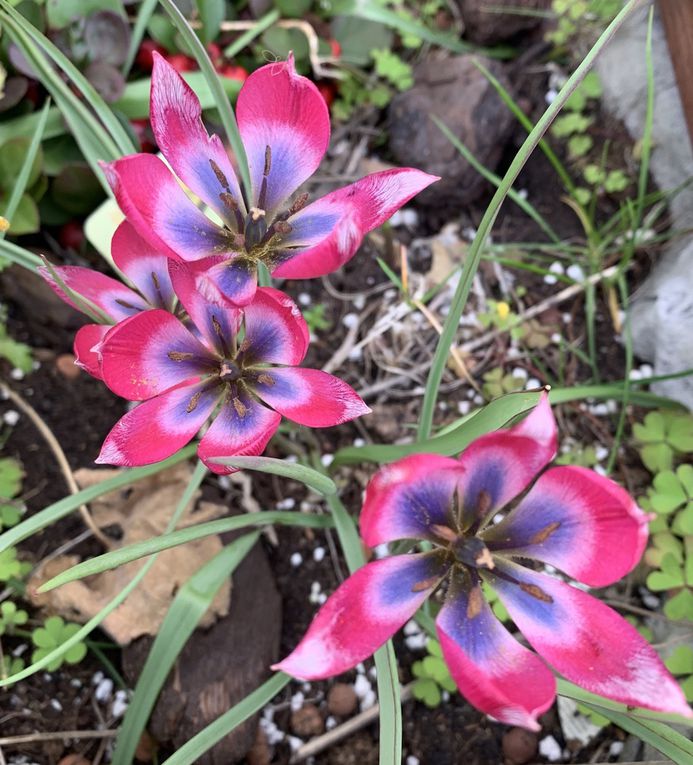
pixel 189 606
pixel 306 475
pixel 67 505
pixel 192 750
pixel 137 550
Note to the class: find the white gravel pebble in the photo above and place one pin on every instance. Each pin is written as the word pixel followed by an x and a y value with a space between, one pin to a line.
pixel 56 705
pixel 304 298
pixel 616 748
pixel 297 701
pixel 318 554
pixel 104 690
pixel 296 559
pixel 286 504
pixel 327 459
pixel 350 320
pixel 574 271
pixel 10 417
pixel 17 374
pixel 120 704
pixel 550 748
pixel 411 760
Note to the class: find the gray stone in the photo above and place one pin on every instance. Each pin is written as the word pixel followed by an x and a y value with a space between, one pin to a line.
pixel 483 24
pixel 662 309
pixel 456 92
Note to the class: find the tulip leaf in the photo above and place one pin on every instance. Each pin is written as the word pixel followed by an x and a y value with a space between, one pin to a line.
pixel 312 478
pixel 189 605
pixel 146 547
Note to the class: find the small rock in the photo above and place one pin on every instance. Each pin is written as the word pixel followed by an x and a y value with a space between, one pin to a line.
pixel 484 26
pixel 519 745
pixel 74 759
pixel 342 700
pixel 457 93
pixel 65 364
pixel 260 754
pixel 146 748
pixel 307 721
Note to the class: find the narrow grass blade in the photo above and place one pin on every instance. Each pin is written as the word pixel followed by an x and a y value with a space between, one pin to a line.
pixel 221 102
pixel 665 739
pixel 67 505
pixel 195 480
pixel 189 606
pixel 247 37
pixel 192 750
pixel 146 9
pixel 522 203
pixel 16 254
pixel 311 478
pixel 115 130
pixel 23 177
pixel 475 251
pixel 137 550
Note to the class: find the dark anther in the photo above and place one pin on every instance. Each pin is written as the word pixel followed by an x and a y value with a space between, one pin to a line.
pixel 543 534
pixel 220 176
pixel 536 592
pixel 125 304
pixel 268 161
pixel 193 402
pixel 265 379
pixel 179 355
pixel 298 204
pixel 240 407
pixel 483 503
pixel 282 227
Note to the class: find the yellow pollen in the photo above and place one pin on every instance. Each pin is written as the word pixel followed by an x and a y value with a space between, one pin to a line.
pixel 503 309
pixel 4 224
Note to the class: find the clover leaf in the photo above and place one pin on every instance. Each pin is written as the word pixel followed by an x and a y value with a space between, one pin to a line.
pixel 432 676
pixel 680 664
pixel 11 617
pixel 680 607
pixel 497 383
pixel 661 436
pixel 11 475
pixel 10 665
pixel 54 633
pixel 10 566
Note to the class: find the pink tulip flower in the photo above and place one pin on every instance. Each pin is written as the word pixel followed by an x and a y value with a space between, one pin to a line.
pixel 572 519
pixel 235 366
pixel 285 128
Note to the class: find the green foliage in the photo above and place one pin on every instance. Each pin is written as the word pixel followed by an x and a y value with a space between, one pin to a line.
pixel 494 601
pixel 18 354
pixel 569 124
pixel 355 92
pixel 672 492
pixel 579 145
pixel 500 316
pixel 584 456
pixel 497 383
pixel 11 475
pixel 11 617
pixel 390 67
pixel 594 717
pixel 579 19
pixel 432 676
pixel 52 635
pixel 10 566
pixel 12 155
pixel 680 664
pixel 315 317
pixel 663 435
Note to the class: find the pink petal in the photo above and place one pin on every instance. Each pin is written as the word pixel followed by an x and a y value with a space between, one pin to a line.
pixel 150 353
pixel 275 330
pixel 111 296
pixel 86 338
pixel 280 109
pixel 161 212
pixel 570 519
pixel 329 232
pixel 217 323
pixel 158 428
pixel 405 498
pixel 146 267
pixel 242 427
pixel 309 397
pixel 500 465
pixel 199 160
pixel 364 612
pixel 585 640
pixel 491 669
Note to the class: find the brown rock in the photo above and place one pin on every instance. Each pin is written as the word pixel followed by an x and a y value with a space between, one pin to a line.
pixel 485 26
pixel 519 746
pixel 65 364
pixel 457 93
pixel 307 721
pixel 261 753
pixel 74 759
pixel 218 667
pixel 342 700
